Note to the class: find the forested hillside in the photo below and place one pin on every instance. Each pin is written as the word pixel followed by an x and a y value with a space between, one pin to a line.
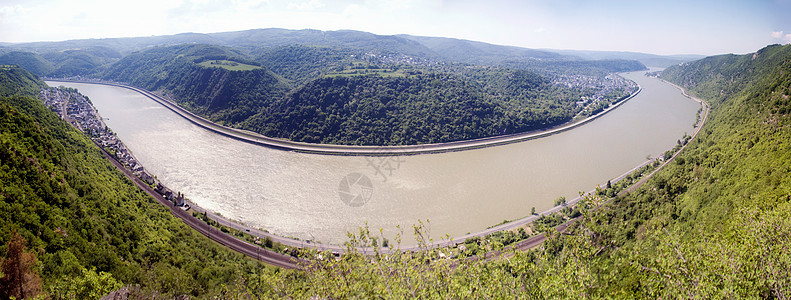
pixel 29 61
pixel 273 81
pixel 90 228
pixel 424 108
pixel 346 96
pixel 714 223
pixel 76 62
pixel 216 82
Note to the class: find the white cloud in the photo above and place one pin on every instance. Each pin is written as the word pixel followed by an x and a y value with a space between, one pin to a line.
pixel 308 5
pixel 782 36
pixel 8 12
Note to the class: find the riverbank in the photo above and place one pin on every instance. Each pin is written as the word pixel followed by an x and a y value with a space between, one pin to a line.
pixel 348 150
pixel 401 175
pixel 76 110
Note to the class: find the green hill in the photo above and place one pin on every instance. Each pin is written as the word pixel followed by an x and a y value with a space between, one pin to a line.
pixel 345 96
pixel 88 225
pixel 32 62
pixel 186 74
pixel 15 80
pixel 714 223
pixel 273 81
pixel 427 107
pixel 80 61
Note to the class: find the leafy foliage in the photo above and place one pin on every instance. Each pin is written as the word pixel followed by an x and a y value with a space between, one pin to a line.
pixel 85 221
pixel 28 61
pixel 712 224
pixel 715 223
pixel 81 61
pixel 223 95
pixel 425 108
pixel 16 81
pixel 301 63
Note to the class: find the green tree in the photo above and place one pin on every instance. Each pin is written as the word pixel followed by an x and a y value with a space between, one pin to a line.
pixel 560 201
pixel 88 285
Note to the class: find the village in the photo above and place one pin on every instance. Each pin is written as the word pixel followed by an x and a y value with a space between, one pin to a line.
pixel 78 110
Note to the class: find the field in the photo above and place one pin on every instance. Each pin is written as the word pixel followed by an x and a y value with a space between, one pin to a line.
pixel 228 65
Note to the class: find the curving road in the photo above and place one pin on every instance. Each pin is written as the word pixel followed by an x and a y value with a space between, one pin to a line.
pixel 349 150
pixel 230 241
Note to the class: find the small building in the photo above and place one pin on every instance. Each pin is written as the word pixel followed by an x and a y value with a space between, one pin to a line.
pixel 146 177
pixel 179 199
pixel 163 190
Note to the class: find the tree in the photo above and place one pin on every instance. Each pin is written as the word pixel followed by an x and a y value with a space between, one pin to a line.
pixel 560 201
pixel 19 279
pixel 533 211
pixel 88 285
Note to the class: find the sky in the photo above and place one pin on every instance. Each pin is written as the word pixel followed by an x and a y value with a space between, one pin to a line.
pixel 658 27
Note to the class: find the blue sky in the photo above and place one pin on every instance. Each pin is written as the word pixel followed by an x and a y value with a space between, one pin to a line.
pixel 660 27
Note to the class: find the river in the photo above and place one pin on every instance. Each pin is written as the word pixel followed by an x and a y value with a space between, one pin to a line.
pixel 322 197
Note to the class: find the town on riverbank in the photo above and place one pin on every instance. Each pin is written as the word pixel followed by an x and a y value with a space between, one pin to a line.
pixel 77 109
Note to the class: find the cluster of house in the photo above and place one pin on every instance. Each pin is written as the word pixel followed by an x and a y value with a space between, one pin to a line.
pixel 603 86
pixel 77 109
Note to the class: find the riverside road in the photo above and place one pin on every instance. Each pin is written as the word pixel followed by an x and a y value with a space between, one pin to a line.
pixel 286 261
pixel 349 150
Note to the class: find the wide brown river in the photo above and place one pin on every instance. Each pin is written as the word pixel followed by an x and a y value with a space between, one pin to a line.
pixel 321 197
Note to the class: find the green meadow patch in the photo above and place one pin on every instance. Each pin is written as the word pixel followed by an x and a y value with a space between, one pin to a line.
pixel 228 65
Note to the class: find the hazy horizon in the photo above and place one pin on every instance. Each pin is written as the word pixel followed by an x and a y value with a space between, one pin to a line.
pixel 667 28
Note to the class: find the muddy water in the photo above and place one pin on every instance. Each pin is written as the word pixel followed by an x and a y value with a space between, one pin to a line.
pixel 320 197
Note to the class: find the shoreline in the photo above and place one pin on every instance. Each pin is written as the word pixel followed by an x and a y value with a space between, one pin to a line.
pixel 350 150
pixel 294 242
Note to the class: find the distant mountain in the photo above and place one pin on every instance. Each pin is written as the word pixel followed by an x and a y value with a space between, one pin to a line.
pixel 30 61
pixel 88 56
pixel 375 89
pixel 120 45
pixel 247 39
pixel 80 61
pixel 650 60
pixel 473 52
pixel 543 61
pixel 265 38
